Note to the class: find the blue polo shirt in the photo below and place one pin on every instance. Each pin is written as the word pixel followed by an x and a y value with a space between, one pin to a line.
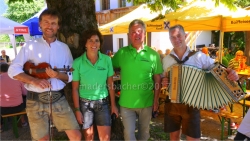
pixel 92 78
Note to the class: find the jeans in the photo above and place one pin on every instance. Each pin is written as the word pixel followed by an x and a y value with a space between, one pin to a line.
pixel 95 112
pixel 129 116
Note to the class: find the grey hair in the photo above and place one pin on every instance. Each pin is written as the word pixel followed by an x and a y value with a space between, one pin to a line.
pixel 137 21
pixel 177 26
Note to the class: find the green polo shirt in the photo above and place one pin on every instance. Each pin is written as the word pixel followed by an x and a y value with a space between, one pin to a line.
pixel 92 78
pixel 137 70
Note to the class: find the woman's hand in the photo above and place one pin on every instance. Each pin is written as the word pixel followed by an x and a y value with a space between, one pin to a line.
pixel 79 117
pixel 114 110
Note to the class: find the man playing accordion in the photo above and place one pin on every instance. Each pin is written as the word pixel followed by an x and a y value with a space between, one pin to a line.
pixel 178 115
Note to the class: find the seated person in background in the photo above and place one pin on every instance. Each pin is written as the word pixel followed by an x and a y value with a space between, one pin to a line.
pixel 2 60
pixel 233 124
pixel 211 45
pixel 167 52
pixel 205 51
pixel 161 54
pixel 4 56
pixel 224 59
pixel 235 62
pixel 109 53
pixel 11 94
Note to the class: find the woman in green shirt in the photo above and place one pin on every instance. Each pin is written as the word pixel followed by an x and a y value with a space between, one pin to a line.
pixel 91 85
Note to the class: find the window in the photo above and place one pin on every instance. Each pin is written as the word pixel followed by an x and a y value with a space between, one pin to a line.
pixel 120 42
pixel 122 3
pixel 105 4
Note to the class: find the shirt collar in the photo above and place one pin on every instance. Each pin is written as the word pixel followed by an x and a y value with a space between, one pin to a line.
pixel 46 42
pixel 185 54
pixel 132 48
pixel 85 56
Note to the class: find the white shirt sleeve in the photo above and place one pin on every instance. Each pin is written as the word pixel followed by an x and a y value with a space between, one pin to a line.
pixel 16 66
pixel 245 125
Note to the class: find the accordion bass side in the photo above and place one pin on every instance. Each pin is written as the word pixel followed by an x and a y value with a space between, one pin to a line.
pixel 202 89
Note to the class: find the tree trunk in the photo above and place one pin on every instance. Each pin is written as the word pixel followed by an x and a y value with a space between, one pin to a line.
pixel 77 16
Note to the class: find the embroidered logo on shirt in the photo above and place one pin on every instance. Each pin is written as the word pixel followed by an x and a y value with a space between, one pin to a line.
pixel 100 68
pixel 144 59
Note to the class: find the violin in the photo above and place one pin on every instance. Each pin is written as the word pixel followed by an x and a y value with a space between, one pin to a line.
pixel 39 70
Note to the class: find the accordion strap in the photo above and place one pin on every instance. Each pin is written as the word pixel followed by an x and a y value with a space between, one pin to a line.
pixel 185 59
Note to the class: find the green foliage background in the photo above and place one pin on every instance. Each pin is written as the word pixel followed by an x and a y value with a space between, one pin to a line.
pixel 20 11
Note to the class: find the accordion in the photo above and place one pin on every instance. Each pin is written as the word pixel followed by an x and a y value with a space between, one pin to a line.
pixel 203 89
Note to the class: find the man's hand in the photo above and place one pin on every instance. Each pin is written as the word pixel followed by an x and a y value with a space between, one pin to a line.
pixel 51 73
pixel 232 75
pixel 156 105
pixel 41 83
pixel 155 108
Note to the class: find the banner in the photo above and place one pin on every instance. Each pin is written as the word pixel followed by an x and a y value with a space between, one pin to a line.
pixel 21 30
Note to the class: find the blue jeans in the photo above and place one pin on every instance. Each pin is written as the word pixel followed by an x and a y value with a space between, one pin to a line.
pixel 129 116
pixel 95 112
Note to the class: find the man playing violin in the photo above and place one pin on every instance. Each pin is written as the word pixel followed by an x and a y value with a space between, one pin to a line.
pixel 39 104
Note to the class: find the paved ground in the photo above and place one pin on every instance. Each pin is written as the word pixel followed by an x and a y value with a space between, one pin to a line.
pixel 210 127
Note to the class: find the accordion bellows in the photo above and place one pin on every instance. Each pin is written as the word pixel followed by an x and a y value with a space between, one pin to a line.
pixel 203 89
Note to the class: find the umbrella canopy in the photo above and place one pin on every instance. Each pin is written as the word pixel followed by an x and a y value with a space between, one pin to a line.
pixel 204 15
pixel 121 24
pixel 8 26
pixel 33 23
pixel 11 28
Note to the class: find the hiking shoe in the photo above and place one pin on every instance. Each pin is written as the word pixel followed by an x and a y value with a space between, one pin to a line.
pixel 234 126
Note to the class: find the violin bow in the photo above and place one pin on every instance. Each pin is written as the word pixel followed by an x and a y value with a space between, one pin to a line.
pixel 50 115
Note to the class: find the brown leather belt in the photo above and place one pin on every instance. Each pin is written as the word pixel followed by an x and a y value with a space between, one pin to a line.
pixel 45 96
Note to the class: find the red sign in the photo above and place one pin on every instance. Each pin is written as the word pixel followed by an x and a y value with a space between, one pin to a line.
pixel 21 30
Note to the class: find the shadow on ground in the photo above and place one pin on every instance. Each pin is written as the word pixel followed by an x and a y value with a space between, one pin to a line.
pixel 210 128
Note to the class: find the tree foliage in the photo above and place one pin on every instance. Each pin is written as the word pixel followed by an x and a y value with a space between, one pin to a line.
pixel 22 10
pixel 157 5
pixel 242 3
pixel 19 11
